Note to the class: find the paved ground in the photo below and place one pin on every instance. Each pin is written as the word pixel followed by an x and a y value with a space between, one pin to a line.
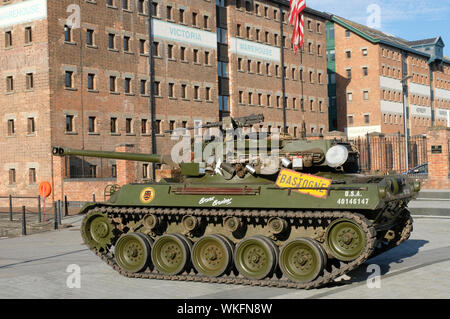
pixel 35 267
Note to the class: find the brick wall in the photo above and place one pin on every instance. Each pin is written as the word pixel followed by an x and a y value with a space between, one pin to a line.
pixel 438 162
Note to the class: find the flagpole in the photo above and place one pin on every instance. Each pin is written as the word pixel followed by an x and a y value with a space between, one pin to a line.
pixel 283 75
pixel 296 8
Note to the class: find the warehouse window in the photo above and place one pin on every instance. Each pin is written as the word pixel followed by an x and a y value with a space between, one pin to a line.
pixel 366 95
pixel 195 55
pixel 140 6
pixel 196 92
pixel 9 84
pixel 143 87
pixel 365 71
pixel 128 125
pixel 144 126
pixel 126 44
pixel 90 37
pixel 156 49
pixel 157 88
pixel 169 12
pixel 11 127
pixel 113 124
pixel 145 170
pixel 181 15
pixel 112 83
pixel 31 125
pixel 32 176
pixel 350 119
pixel 158 127
pixel 91 81
pixel 111 41
pixel 194 19
pixel 8 39
pixel 92 122
pixel 12 176
pixel 28 35
pixel 142 46
pixel 69 123
pixel 171 90
pixel 183 91
pixel 127 85
pixel 241 97
pixel 183 54
pixel 67 34
pixel 69 79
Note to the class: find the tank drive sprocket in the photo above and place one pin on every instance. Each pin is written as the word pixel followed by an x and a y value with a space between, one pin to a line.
pixel 98 231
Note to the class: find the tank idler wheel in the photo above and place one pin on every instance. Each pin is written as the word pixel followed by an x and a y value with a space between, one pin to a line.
pixel 256 257
pixel 345 239
pixel 132 252
pixel 212 255
pixel 302 259
pixel 97 231
pixel 171 254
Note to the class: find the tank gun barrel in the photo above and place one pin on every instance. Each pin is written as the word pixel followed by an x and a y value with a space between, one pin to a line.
pixel 152 158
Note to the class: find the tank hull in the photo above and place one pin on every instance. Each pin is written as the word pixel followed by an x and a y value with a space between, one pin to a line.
pixel 258 222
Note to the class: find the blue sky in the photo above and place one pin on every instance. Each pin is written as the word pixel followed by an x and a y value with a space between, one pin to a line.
pixel 407 19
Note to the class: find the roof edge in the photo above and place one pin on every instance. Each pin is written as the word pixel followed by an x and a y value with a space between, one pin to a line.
pixel 374 40
pixel 358 32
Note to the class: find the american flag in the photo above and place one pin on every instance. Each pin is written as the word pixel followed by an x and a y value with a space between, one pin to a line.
pixel 296 18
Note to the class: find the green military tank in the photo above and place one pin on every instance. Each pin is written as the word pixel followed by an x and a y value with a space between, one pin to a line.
pixel 299 217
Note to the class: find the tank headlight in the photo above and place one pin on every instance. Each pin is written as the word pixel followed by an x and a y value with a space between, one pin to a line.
pixel 285 162
pixel 416 186
pixel 336 156
pixel 394 186
pixel 382 191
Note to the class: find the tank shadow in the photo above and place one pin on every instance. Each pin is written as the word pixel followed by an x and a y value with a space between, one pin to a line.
pixel 385 261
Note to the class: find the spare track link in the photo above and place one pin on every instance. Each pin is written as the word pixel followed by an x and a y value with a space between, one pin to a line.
pixel 406 224
pixel 325 217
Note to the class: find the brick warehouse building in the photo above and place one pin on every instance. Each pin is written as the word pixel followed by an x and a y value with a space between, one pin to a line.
pixel 89 86
pixel 369 68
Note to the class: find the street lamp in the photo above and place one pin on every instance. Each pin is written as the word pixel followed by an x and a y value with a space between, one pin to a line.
pixel 405 115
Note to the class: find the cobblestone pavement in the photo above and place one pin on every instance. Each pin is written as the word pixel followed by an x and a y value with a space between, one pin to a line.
pixel 36 266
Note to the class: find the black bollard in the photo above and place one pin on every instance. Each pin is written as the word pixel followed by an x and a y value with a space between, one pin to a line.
pixel 39 209
pixel 55 210
pixel 10 209
pixel 24 222
pixel 59 212
pixel 66 206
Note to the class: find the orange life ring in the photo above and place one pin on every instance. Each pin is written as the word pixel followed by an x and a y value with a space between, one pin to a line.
pixel 45 189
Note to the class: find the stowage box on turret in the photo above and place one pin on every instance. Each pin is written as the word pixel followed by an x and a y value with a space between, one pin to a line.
pixel 300 216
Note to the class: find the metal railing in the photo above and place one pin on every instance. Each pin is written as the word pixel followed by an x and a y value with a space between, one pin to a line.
pixel 57 209
pixel 386 154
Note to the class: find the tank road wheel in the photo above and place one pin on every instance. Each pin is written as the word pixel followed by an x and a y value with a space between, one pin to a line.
pixel 132 252
pixel 97 231
pixel 256 257
pixel 345 239
pixel 302 259
pixel 212 255
pixel 171 254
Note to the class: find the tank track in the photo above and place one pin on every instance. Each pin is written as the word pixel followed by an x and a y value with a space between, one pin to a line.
pixel 323 218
